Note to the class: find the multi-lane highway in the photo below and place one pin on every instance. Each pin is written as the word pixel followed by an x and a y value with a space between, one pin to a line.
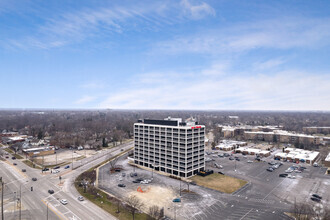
pixel 37 203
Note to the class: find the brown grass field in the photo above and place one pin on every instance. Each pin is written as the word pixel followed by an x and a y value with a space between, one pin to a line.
pixel 222 183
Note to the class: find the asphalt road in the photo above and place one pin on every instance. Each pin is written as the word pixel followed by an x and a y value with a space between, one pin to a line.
pixel 35 203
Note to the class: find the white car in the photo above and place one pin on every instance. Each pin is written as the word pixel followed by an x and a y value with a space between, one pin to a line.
pixel 64 202
pixel 55 171
pixel 250 161
pixel 291 177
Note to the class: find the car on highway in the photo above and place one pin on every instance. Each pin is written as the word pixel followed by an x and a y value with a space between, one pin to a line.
pixel 34 179
pixel 23 170
pixel 13 158
pixel 315 199
pixel 121 185
pixel 177 200
pixel 66 167
pixel 64 201
pixel 317 196
pixel 80 198
pixel 250 161
pixel 283 175
pixel 14 164
pixel 50 191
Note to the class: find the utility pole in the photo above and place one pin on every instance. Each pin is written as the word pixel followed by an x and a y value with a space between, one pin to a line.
pixel 20 202
pixel 47 210
pixel 2 189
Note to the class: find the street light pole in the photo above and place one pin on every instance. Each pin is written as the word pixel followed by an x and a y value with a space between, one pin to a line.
pixel 47 210
pixel 2 189
pixel 20 202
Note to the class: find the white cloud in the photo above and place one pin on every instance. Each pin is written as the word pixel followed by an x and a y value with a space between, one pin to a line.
pixel 268 64
pixel 85 99
pixel 197 11
pixel 271 34
pixel 286 90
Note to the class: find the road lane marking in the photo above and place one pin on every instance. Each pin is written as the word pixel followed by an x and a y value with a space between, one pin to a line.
pixel 53 210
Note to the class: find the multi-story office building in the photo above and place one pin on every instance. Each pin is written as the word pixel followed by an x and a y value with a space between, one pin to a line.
pixel 170 146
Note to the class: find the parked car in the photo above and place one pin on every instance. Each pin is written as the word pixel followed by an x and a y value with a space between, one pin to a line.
pixel 80 198
pixel 317 196
pixel 45 169
pixel 291 177
pixel 135 181
pixel 55 171
pixel 231 158
pixel 64 202
pixel 283 175
pixel 221 173
pixel 250 161
pixel 238 159
pixel 50 191
pixel 123 174
pixel 220 155
pixel 315 199
pixel 23 170
pixel 14 164
pixel 7 157
pixel 66 167
pixel 270 169
pixel 13 158
pixel 121 185
pixel 57 167
pixel 34 179
pixel 177 200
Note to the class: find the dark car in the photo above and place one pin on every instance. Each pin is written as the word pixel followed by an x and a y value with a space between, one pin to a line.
pixel 66 167
pixel 315 199
pixel 15 164
pixel 13 158
pixel 226 155
pixel 193 183
pixel 317 196
pixel 117 170
pixel 139 179
pixel 121 185
pixel 237 159
pixel 50 191
pixel 7 157
pixel 283 175
pixel 221 173
pixel 135 181
pixel 57 167
pixel 270 169
pixel 45 169
pixel 34 179
pixel 23 170
pixel 230 158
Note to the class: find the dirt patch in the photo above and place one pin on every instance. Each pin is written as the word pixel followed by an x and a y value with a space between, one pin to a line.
pixel 155 195
pixel 222 183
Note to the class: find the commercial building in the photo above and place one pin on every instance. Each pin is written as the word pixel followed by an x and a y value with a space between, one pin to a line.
pixel 297 155
pixel 282 136
pixel 228 145
pixel 326 161
pixel 170 145
pixel 39 151
pixel 316 130
pixel 253 151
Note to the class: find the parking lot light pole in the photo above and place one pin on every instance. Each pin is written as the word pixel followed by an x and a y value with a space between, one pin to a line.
pixel 235 165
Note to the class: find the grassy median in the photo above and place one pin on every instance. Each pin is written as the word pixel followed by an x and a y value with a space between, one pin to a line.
pixel 222 183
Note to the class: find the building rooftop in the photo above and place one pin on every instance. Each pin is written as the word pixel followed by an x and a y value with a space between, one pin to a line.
pixel 170 122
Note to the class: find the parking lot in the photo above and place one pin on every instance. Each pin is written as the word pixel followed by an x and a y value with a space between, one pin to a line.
pixel 265 196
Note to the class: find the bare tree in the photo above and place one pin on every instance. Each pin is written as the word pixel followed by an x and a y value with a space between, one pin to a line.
pixel 134 204
pixel 113 163
pixel 154 212
pixel 302 211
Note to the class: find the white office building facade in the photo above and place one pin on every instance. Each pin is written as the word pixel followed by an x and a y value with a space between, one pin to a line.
pixel 170 146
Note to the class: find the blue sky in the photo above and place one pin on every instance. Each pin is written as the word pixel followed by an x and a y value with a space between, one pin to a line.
pixel 189 54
